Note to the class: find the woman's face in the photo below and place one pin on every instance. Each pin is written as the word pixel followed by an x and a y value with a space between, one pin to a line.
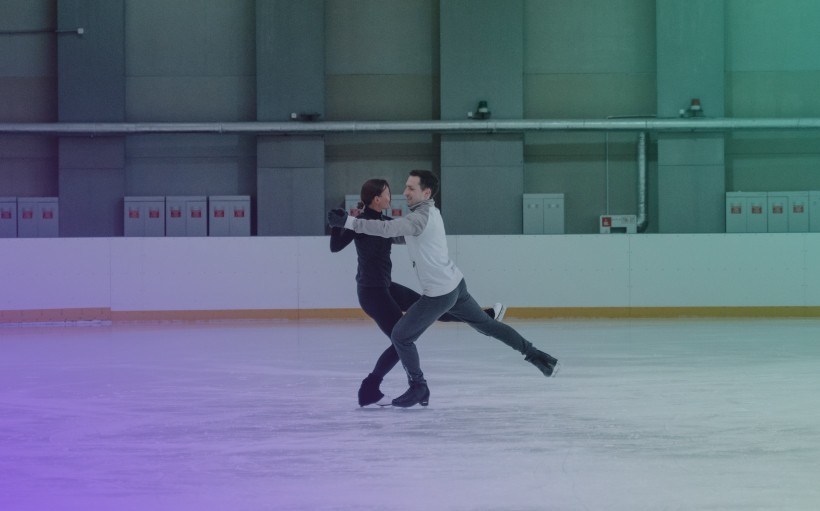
pixel 381 201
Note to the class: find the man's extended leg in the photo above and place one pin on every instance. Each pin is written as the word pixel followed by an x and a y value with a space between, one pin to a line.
pixel 468 311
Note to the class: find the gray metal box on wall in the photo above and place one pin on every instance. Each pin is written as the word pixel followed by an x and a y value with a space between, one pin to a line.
pixel 38 217
pixel 543 213
pixel 746 212
pixel 8 217
pixel 144 216
pixel 229 215
pixel 186 215
pixel 814 211
pixel 778 212
pixel 798 211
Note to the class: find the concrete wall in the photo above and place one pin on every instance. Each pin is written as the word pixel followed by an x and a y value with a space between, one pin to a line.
pixel 28 86
pixel 772 68
pixel 382 61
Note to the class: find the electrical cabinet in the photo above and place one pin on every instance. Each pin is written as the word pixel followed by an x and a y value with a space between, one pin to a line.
pixel 746 212
pixel 8 217
pixel 144 216
pixel 229 215
pixel 38 217
pixel 186 216
pixel 814 211
pixel 770 211
pixel 798 211
pixel 778 212
pixel 543 213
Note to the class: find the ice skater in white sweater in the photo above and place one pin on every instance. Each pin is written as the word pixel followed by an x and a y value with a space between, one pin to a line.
pixel 442 284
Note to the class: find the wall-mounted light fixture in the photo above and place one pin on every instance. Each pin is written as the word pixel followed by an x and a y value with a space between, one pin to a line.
pixel 693 110
pixel 482 112
pixel 305 116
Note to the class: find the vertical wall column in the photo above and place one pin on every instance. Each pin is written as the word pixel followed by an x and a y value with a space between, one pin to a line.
pixel 290 69
pixel 691 168
pixel 91 88
pixel 482 59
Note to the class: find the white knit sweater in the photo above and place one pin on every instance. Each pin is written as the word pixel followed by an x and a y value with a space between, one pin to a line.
pixel 423 232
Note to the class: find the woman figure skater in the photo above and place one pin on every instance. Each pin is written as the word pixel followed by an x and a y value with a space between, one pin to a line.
pixel 380 298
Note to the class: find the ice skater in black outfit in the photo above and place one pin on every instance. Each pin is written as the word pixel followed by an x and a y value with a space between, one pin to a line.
pixel 382 299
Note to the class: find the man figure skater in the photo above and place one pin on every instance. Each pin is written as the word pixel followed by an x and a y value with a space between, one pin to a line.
pixel 442 283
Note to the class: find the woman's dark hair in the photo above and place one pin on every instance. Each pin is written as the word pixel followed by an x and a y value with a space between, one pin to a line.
pixel 371 189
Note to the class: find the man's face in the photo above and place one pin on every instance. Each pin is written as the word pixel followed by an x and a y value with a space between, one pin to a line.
pixel 413 191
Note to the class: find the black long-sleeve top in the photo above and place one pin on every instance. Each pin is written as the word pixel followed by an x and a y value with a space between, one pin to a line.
pixel 373 252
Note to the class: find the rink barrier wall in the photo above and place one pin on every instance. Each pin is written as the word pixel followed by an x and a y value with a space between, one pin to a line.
pixel 83 316
pixel 293 278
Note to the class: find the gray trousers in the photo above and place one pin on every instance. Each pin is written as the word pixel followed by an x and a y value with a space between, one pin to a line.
pixel 457 303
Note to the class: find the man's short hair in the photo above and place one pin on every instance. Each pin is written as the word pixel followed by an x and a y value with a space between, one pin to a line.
pixel 427 180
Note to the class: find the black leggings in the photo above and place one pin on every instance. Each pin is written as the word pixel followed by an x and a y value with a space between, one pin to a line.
pixel 386 306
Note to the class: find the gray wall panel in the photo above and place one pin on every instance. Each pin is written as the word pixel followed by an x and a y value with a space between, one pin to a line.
pixel 91 202
pixel 691 64
pixel 481 150
pixel 191 165
pixel 381 37
pixel 290 152
pixel 191 98
pixel 92 66
pixel 482 57
pixel 191 38
pixel 691 48
pixel 92 153
pixel 290 177
pixel 290 48
pixel 692 198
pixel 482 200
pixel 287 201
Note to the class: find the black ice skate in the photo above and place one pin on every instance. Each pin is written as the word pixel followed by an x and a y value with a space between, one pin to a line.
pixel 418 393
pixel 497 312
pixel 369 393
pixel 545 363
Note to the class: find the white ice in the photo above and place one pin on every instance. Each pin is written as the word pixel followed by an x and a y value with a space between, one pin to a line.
pixel 645 415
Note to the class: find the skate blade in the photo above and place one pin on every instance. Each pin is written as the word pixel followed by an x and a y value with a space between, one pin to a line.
pixel 555 369
pixel 383 402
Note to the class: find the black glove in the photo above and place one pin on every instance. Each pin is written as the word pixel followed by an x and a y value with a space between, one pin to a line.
pixel 337 218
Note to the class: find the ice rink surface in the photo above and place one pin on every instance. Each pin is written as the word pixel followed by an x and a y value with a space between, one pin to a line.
pixel 644 415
